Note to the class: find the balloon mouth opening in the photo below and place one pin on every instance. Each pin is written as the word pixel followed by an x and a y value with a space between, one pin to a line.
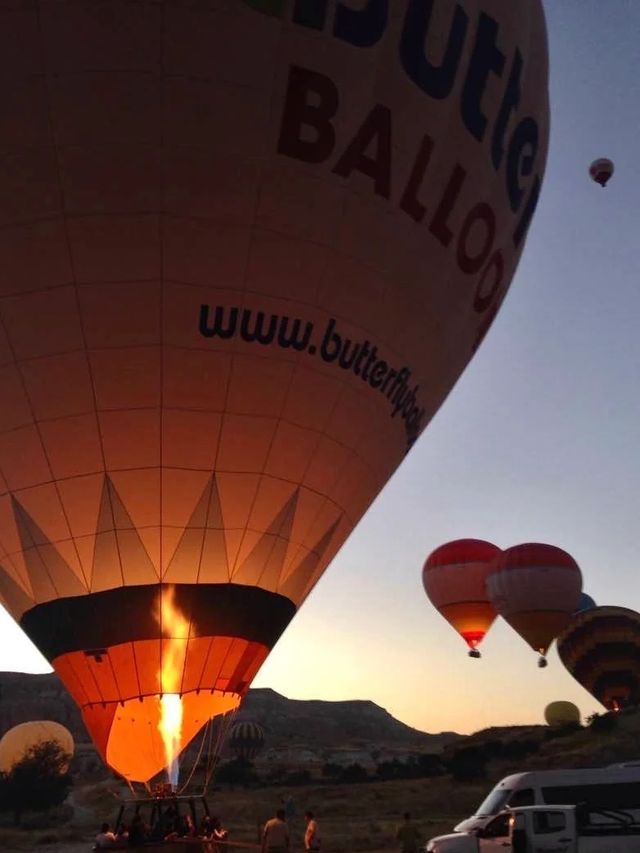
pixel 135 747
pixel 473 638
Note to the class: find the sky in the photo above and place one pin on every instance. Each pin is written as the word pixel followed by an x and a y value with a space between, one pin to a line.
pixel 537 441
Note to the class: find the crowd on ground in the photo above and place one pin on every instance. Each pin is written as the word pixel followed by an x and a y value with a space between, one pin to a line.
pixel 276 837
pixel 169 826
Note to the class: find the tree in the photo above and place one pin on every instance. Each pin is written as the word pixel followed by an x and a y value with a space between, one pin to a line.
pixel 353 773
pixel 467 764
pixel 238 771
pixel 37 782
pixel 602 722
pixel 430 764
pixel 331 770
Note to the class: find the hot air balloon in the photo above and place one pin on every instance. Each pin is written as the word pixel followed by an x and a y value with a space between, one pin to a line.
pixel 601 171
pixel 601 650
pixel 561 713
pixel 246 739
pixel 585 602
pixel 536 588
pixel 17 742
pixel 246 251
pixel 454 578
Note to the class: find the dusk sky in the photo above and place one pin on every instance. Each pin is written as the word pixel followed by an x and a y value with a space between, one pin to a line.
pixel 537 442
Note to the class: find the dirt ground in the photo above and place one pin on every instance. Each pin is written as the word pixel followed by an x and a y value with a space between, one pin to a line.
pixel 359 818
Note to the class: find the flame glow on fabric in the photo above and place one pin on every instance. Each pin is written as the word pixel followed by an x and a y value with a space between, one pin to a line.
pixel 246 251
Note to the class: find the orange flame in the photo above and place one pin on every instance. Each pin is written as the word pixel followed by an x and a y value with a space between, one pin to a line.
pixel 175 628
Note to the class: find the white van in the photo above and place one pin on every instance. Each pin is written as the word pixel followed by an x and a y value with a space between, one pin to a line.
pixel 613 787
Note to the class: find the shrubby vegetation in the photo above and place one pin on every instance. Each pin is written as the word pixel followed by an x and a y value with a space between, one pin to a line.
pixel 38 782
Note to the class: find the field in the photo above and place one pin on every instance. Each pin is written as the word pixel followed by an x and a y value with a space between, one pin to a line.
pixel 359 817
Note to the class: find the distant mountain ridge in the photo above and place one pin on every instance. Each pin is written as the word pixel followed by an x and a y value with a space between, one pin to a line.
pixel 314 724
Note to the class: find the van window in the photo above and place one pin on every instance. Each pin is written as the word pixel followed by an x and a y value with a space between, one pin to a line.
pixel 619 795
pixel 545 822
pixel 523 797
pixel 494 803
pixel 497 828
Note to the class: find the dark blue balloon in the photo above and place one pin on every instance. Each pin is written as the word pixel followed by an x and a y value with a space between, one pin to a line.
pixel 585 602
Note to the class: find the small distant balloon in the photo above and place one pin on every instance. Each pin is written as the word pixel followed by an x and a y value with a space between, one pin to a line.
pixel 246 739
pixel 585 603
pixel 561 713
pixel 16 743
pixel 601 171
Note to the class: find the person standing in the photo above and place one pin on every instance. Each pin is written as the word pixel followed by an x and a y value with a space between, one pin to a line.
pixel 408 835
pixel 311 833
pixel 275 837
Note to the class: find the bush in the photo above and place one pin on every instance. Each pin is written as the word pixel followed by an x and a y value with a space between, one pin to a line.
pixel 468 764
pixel 239 771
pixel 602 722
pixel 37 782
pixel 353 773
pixel 562 731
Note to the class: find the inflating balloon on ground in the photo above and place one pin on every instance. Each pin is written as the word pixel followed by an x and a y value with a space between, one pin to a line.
pixel 246 251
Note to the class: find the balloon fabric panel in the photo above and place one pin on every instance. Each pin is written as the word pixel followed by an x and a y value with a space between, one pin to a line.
pixel 235 286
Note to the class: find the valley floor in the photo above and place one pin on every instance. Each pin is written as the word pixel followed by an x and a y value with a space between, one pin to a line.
pixel 359 818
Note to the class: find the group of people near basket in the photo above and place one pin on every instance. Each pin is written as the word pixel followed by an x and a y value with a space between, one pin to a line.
pixel 169 826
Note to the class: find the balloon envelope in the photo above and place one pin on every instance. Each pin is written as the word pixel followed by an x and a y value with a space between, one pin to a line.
pixel 585 602
pixel 601 170
pixel 16 743
pixel 246 251
pixel 601 649
pixel 454 577
pixel 561 713
pixel 246 739
pixel 536 588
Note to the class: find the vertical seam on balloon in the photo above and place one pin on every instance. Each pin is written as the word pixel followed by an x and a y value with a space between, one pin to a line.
pixel 63 217
pixel 71 664
pixel 115 678
pixel 135 667
pixel 205 528
pixel 322 433
pixel 162 205
pixel 204 664
pixel 92 677
pixel 277 536
pixel 223 660
pixel 53 482
pixel 23 581
pixel 251 236
pixel 161 232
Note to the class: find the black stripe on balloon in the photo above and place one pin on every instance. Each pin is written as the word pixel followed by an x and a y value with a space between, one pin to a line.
pixel 593 626
pixel 605 657
pixel 100 620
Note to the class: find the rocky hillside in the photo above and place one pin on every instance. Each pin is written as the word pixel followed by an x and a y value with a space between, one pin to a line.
pixel 289 723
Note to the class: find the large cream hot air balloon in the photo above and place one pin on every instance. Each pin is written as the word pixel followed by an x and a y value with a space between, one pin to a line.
pixel 16 743
pixel 246 250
